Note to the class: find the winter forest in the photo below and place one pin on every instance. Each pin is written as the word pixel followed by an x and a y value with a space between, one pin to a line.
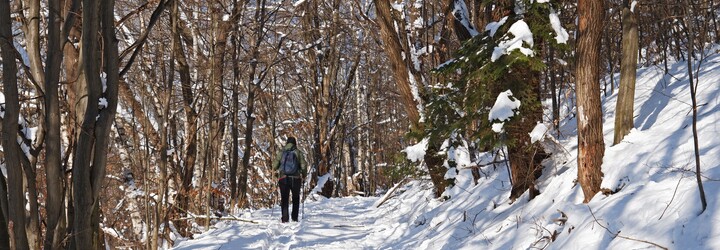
pixel 425 124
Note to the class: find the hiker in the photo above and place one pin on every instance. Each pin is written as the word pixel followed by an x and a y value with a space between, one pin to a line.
pixel 289 163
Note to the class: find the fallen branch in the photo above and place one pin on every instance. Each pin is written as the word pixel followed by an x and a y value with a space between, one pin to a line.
pixel 621 236
pixel 387 195
pixel 217 218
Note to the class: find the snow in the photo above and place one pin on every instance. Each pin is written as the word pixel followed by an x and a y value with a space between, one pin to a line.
pixel 494 26
pixel 417 152
pixel 398 7
pixel 298 3
pixel 2 105
pixel 562 35
pixel 446 63
pixel 23 53
pixel 504 108
pixel 102 103
pixel 103 80
pixel 460 11
pixel 657 204
pixel 416 96
pixel 538 132
pixel 521 35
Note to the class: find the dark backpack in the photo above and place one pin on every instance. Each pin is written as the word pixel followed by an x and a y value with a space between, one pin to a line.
pixel 289 164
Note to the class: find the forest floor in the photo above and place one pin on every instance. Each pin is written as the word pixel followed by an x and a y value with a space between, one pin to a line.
pixel 344 223
pixel 655 203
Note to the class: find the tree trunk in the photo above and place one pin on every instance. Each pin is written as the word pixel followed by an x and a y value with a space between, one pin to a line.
pixel 554 89
pixel 689 24
pixel 253 87
pixel 394 49
pixel 4 234
pixel 190 150
pixel 55 177
pixel 164 157
pixel 591 146
pixel 217 124
pixel 234 128
pixel 626 97
pixel 406 79
pixel 16 190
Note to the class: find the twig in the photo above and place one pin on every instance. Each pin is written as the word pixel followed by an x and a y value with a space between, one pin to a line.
pixel 673 197
pixel 484 165
pixel 620 236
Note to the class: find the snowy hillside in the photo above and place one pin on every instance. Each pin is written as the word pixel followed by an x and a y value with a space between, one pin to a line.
pixel 657 205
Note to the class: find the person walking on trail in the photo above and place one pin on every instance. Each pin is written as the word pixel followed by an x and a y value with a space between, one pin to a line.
pixel 290 165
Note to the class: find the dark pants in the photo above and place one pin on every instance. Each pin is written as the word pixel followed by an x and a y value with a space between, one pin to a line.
pixel 287 185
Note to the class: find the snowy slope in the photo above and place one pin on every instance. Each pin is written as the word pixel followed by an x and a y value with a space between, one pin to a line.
pixel 658 205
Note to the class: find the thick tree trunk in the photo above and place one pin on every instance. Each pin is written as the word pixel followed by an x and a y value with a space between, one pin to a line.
pixel 406 79
pixel 591 146
pixel 626 97
pixel 190 150
pixel 403 75
pixel 54 208
pixel 55 178
pixel 16 198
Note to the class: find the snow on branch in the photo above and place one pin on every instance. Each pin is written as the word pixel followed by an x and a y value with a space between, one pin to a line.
pixel 521 35
pixel 460 12
pixel 505 107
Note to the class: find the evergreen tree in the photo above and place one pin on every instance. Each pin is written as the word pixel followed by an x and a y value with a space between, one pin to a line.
pixel 505 57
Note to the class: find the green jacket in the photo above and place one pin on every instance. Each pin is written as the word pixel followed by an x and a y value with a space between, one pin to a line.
pixel 298 154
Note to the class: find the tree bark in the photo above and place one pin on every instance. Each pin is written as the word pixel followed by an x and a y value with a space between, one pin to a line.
pixel 190 150
pixel 394 50
pixel 216 121
pixel 628 68
pixel 234 128
pixel 591 146
pixel 4 234
pixel 16 198
pixel 689 24
pixel 406 79
pixel 253 87
pixel 55 177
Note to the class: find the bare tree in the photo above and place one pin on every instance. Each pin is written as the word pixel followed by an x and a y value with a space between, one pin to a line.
pixel 690 20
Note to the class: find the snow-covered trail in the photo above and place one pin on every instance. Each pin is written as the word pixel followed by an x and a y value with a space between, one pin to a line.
pixel 328 224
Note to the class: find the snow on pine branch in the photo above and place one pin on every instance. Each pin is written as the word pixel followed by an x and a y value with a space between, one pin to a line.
pixel 562 35
pixel 505 107
pixel 417 152
pixel 460 12
pixel 521 36
pixel 494 26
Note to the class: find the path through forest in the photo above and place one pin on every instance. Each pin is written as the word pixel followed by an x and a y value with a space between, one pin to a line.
pixel 341 223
